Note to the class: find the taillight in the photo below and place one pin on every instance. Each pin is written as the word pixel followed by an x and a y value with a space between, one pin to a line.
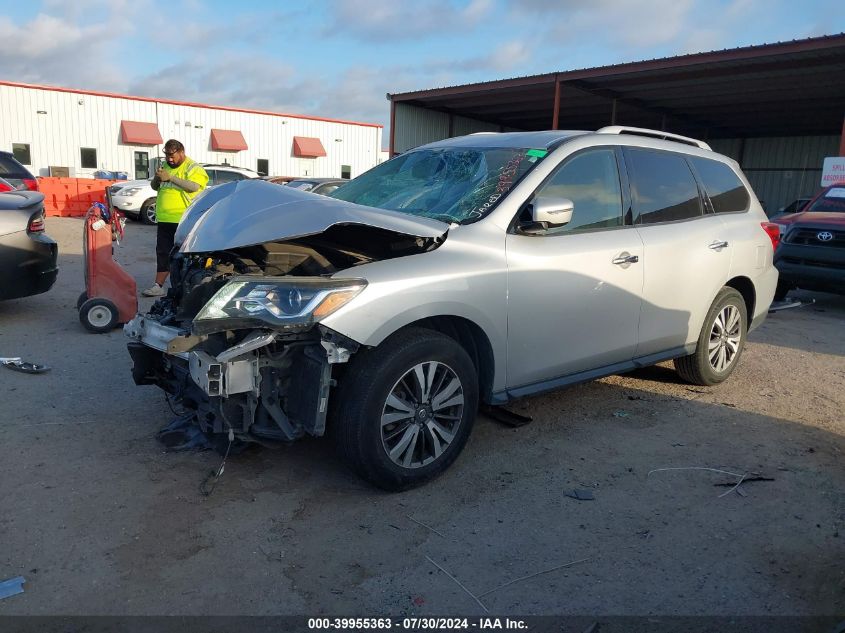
pixel 773 231
pixel 30 183
pixel 5 187
pixel 36 224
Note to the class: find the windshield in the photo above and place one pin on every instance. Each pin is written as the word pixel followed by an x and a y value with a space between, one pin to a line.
pixel 449 184
pixel 833 200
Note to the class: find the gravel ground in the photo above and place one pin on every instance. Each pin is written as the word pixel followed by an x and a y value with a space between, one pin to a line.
pixel 99 520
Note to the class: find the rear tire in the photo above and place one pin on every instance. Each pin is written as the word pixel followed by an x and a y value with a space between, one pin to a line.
pixel 404 410
pixel 720 343
pixel 82 299
pixel 98 315
pixel 147 215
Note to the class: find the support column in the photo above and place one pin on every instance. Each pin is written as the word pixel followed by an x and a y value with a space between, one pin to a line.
pixel 613 113
pixel 557 104
pixel 391 152
pixel 842 140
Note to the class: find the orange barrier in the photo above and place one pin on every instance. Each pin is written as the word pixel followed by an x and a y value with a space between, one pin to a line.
pixel 71 197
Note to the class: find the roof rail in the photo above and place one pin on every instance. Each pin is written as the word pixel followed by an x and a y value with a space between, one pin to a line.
pixel 641 131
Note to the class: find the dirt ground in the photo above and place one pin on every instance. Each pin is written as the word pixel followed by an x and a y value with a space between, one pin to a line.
pixel 99 520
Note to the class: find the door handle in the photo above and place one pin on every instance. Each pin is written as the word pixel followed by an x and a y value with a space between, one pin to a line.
pixel 718 245
pixel 625 258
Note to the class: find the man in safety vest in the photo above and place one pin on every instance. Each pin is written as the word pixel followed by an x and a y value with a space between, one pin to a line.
pixel 178 181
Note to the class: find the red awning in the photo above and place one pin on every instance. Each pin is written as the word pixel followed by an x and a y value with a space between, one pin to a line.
pixel 307 147
pixel 139 133
pixel 227 141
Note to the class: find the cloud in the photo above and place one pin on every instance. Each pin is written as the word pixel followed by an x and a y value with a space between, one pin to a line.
pixel 47 50
pixel 392 20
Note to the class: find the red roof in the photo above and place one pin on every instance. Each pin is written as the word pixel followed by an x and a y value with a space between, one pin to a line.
pixel 307 147
pixel 139 133
pixel 227 141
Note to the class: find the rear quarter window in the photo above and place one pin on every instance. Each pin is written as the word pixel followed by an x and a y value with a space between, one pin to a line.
pixel 662 186
pixel 723 186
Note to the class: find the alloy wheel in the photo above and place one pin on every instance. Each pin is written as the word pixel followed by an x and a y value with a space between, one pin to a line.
pixel 421 415
pixel 725 338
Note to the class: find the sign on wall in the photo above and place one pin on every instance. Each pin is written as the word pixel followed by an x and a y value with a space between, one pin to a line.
pixel 833 170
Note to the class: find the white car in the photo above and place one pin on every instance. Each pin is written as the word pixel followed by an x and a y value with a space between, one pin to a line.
pixel 137 198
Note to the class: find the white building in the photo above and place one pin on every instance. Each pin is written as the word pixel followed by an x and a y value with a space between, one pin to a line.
pixel 85 132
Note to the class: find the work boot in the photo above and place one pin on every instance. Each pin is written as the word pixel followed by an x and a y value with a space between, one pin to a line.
pixel 153 291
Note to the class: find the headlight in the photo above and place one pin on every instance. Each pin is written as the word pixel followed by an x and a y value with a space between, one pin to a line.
pixel 292 304
pixel 131 191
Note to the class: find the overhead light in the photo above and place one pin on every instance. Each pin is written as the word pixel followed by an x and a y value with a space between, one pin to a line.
pixel 41 111
pixel 338 140
pixel 198 127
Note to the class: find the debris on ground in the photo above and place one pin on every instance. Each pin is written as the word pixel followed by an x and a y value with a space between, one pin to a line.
pixel 428 527
pixel 16 363
pixel 506 417
pixel 746 480
pixel 621 414
pixel 734 485
pixel 11 587
pixel 534 575
pixel 579 494
pixel 458 582
pixel 777 306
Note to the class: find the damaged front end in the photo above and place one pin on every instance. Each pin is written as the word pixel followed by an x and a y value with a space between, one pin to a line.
pixel 237 343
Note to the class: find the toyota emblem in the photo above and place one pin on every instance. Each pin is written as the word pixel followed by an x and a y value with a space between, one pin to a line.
pixel 825 236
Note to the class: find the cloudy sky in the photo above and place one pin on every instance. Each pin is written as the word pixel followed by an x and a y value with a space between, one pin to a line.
pixel 339 59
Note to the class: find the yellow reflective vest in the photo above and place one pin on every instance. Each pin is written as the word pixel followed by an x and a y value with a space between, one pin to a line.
pixel 172 201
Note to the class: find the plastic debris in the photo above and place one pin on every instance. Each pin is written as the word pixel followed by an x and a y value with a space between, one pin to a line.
pixel 11 587
pixel 579 494
pixel 506 417
pixel 16 363
pixel 621 414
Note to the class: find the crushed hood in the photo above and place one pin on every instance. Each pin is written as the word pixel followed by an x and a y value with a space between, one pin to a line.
pixel 249 212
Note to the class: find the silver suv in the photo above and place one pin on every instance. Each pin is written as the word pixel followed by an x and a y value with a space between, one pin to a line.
pixel 472 270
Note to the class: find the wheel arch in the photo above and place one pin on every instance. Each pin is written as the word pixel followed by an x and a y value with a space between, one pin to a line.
pixel 475 342
pixel 745 287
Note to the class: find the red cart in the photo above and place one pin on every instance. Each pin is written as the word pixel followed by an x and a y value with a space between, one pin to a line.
pixel 110 298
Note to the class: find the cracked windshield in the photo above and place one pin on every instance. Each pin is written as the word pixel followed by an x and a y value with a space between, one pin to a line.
pixel 452 185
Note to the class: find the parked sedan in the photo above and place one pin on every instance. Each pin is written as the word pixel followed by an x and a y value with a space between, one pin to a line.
pixel 28 257
pixel 323 186
pixel 811 254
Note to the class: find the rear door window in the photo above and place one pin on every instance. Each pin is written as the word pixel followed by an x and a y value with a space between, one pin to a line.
pixel 723 186
pixel 228 176
pixel 663 188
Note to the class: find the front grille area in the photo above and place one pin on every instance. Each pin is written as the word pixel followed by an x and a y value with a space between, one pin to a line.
pixel 811 262
pixel 810 237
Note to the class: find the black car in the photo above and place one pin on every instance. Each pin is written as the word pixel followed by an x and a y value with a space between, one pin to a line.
pixel 28 258
pixel 15 173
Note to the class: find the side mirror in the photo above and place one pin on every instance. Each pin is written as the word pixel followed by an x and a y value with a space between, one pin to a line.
pixel 551 212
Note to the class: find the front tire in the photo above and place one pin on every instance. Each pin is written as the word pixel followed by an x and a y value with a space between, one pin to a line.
pixel 720 343
pixel 404 410
pixel 98 315
pixel 148 212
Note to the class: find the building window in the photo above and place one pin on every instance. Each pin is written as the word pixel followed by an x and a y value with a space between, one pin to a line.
pixel 21 152
pixel 345 171
pixel 142 165
pixel 263 167
pixel 88 156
